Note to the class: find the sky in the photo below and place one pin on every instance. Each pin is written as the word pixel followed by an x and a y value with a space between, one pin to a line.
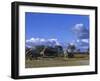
pixel 65 28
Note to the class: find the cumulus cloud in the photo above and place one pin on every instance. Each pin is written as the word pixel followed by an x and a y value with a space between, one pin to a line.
pixel 82 34
pixel 35 40
pixel 78 27
pixel 82 40
pixel 85 40
pixel 81 31
pixel 42 41
pixel 54 41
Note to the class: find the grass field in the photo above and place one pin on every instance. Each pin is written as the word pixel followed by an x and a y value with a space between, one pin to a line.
pixel 79 59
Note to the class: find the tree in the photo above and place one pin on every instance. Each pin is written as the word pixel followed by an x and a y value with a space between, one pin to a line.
pixel 51 51
pixel 40 48
pixel 88 50
pixel 70 50
pixel 59 50
pixel 78 50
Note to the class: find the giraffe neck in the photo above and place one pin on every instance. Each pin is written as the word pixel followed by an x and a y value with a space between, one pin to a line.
pixel 42 52
pixel 44 49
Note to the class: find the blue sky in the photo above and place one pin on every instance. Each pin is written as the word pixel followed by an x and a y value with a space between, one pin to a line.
pixel 57 26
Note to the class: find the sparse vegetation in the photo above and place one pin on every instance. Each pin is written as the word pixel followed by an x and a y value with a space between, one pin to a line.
pixel 79 59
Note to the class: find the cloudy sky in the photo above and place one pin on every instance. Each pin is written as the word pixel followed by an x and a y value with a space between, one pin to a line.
pixel 57 28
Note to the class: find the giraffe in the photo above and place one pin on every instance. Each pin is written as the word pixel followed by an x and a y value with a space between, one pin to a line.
pixel 65 53
pixel 42 52
pixel 29 54
pixel 29 51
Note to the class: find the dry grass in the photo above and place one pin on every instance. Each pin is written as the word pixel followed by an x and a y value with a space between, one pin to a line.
pixel 78 60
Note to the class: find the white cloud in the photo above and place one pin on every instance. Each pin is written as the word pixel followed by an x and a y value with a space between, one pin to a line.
pixel 85 40
pixel 36 40
pixel 31 40
pixel 54 41
pixel 81 31
pixel 82 40
pixel 42 41
pixel 77 40
pixel 78 27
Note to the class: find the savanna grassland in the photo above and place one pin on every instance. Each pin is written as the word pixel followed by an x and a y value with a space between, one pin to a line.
pixel 77 60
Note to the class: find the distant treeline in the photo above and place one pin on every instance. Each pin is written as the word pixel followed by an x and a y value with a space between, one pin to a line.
pixel 42 51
